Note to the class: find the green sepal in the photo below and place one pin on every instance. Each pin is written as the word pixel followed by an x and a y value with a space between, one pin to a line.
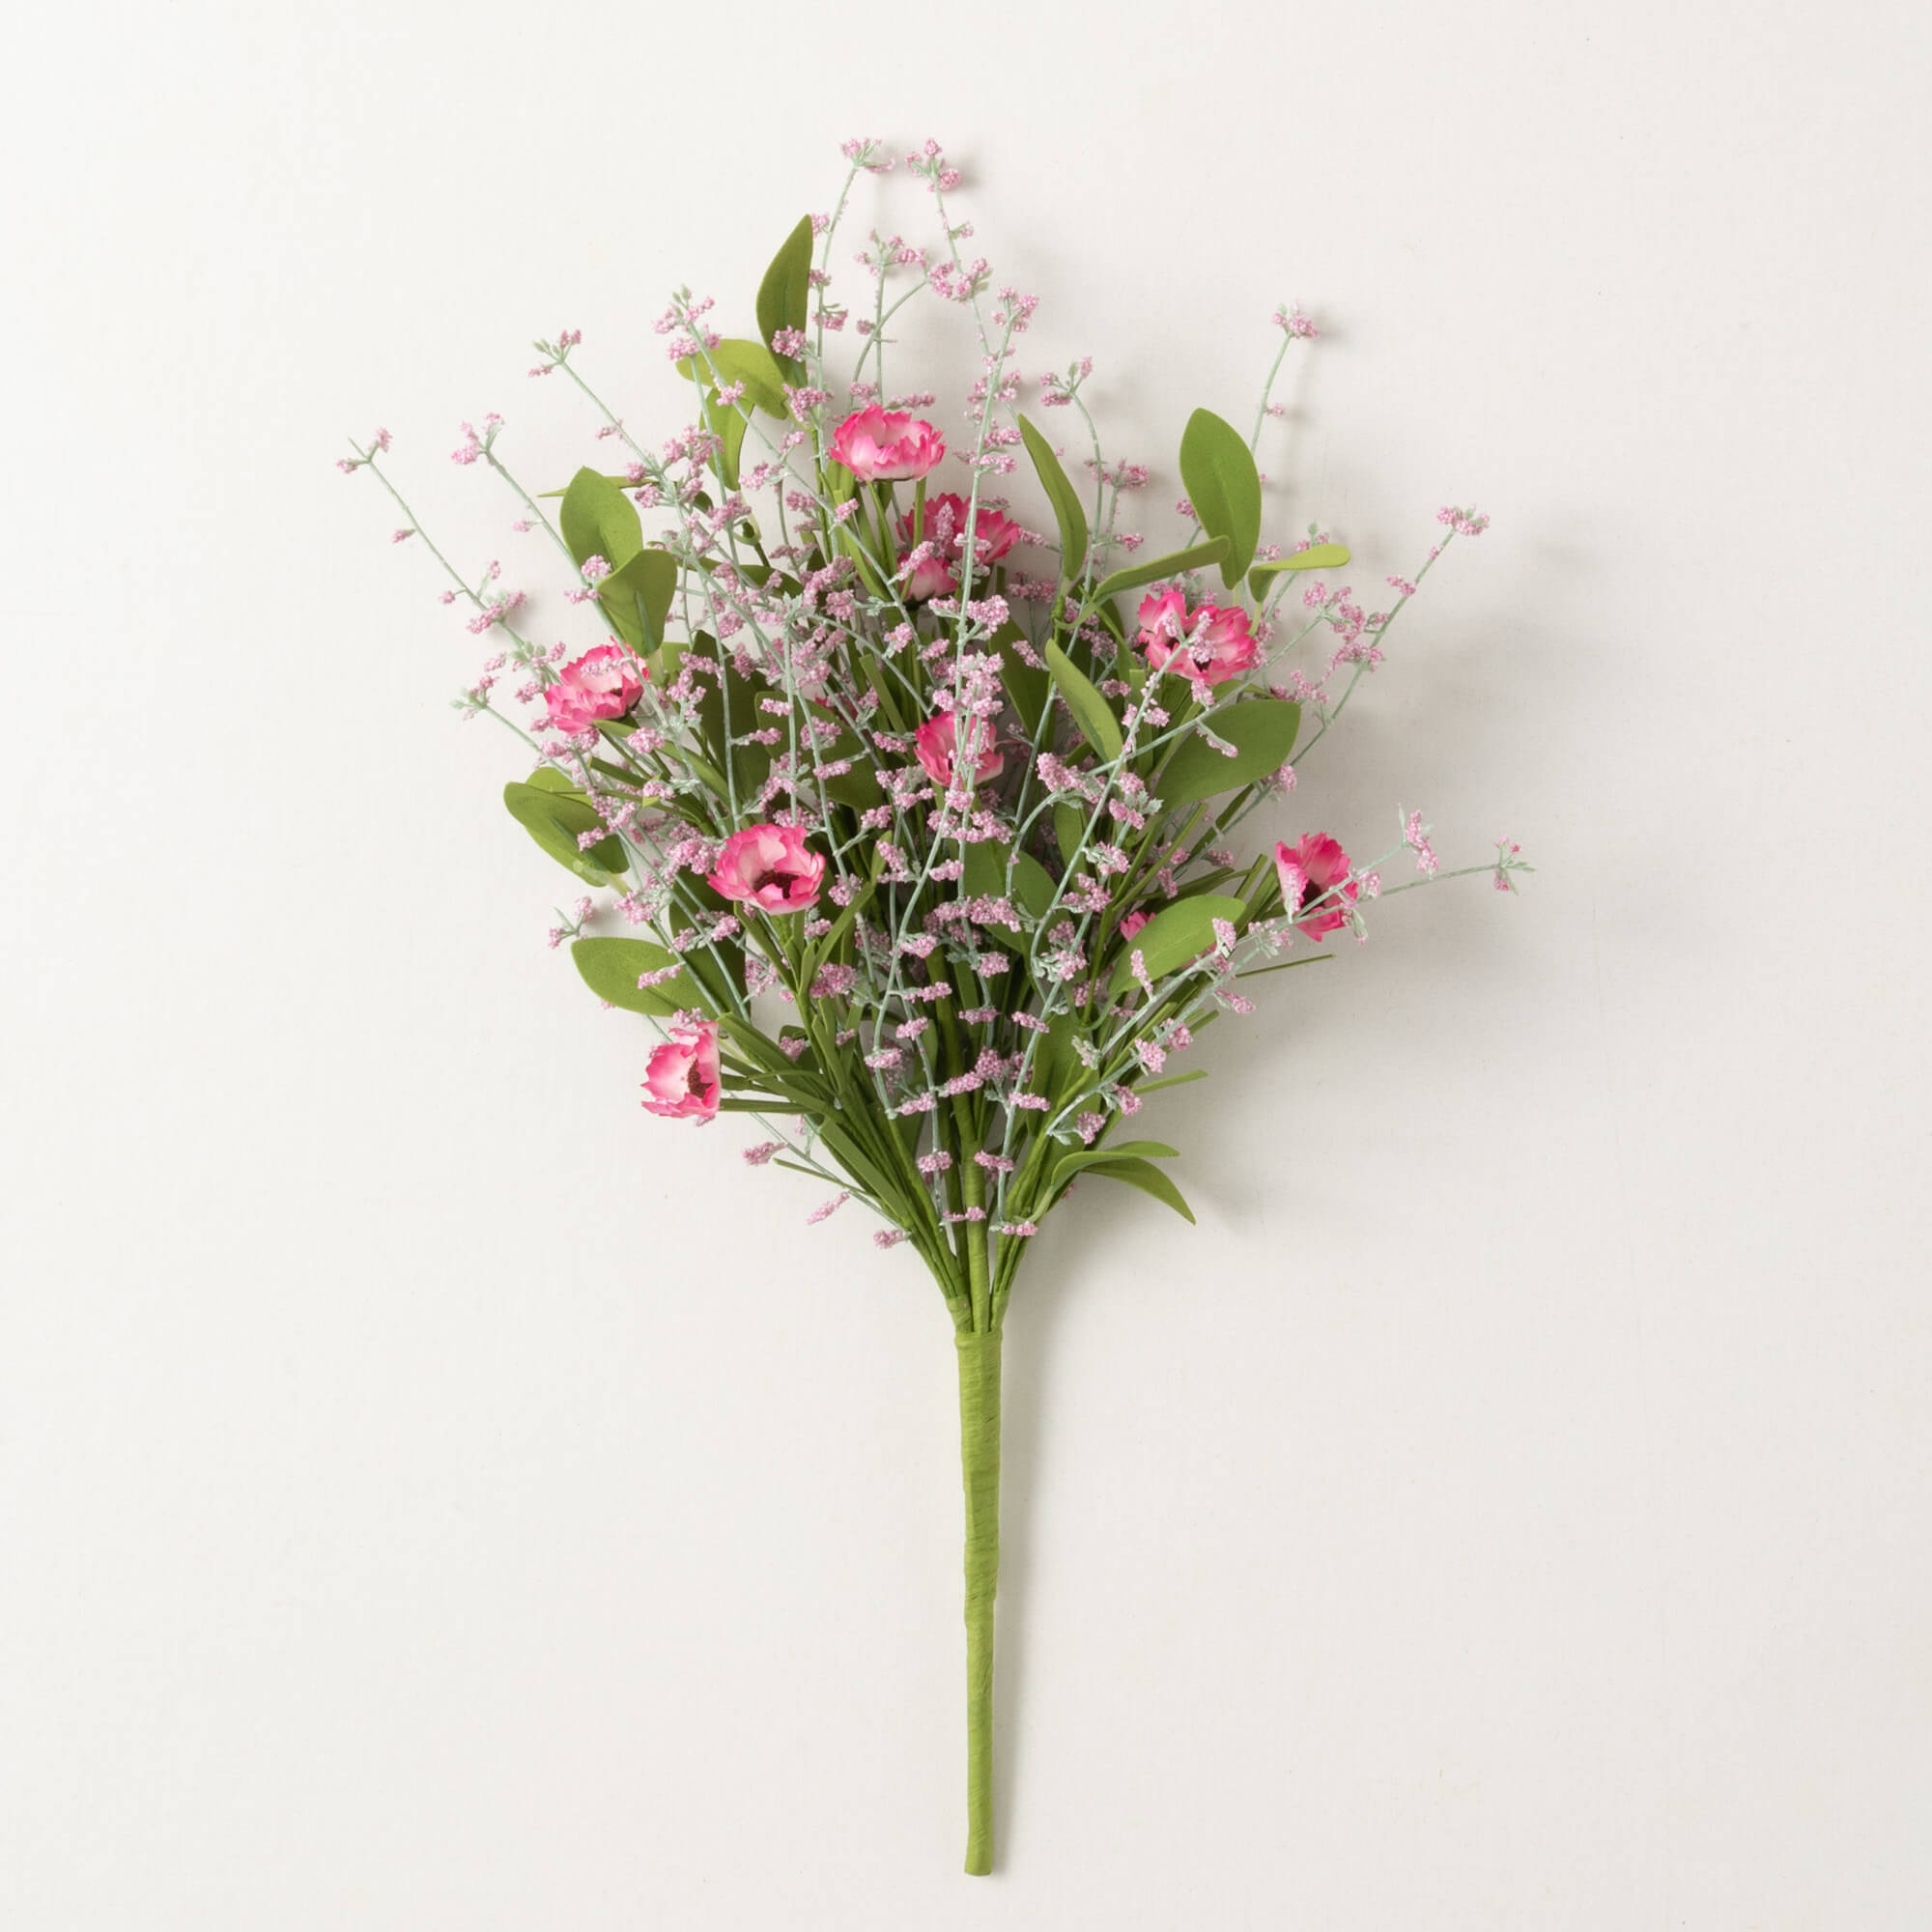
pixel 1066 501
pixel 1262 731
pixel 1218 473
pixel 1091 711
pixel 611 968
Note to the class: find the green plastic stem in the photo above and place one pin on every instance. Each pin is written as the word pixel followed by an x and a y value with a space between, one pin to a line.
pixel 980 1464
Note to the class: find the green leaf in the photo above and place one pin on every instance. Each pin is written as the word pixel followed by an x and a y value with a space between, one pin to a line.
pixel 1317 557
pixel 1091 711
pixel 860 786
pixel 638 596
pixel 553 819
pixel 1065 502
pixel 784 295
pixel 1224 487
pixel 1070 1164
pixel 1180 1079
pixel 1032 886
pixel 1026 687
pixel 986 876
pixel 1148 1178
pixel 611 967
pixel 1262 732
pixel 737 361
pixel 1069 822
pixel 1155 568
pixel 748 765
pixel 598 520
pixel 1174 936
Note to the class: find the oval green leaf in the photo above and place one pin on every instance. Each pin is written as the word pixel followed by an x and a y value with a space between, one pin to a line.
pixel 1225 488
pixel 636 597
pixel 1173 937
pixel 612 968
pixel 751 363
pixel 555 818
pixel 1317 557
pixel 1262 732
pixel 598 520
pixel 784 295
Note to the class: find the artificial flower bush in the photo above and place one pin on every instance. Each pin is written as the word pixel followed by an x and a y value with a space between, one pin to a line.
pixel 916 813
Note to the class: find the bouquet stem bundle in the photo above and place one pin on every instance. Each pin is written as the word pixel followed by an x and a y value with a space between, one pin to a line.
pixel 919 859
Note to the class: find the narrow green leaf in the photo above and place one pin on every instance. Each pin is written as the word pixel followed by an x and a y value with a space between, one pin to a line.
pixel 1180 1079
pixel 1158 567
pixel 784 295
pixel 1262 732
pixel 1091 711
pixel 1281 966
pixel 1032 885
pixel 1148 1178
pixel 1070 1164
pixel 597 519
pixel 1317 557
pixel 1175 935
pixel 1064 498
pixel 1026 687
pixel 1069 822
pixel 612 968
pixel 1223 485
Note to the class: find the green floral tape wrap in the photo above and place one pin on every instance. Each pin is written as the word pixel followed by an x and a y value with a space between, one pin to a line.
pixel 980 1465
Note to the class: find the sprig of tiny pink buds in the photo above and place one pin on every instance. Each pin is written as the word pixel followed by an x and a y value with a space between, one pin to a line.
pixel 963 949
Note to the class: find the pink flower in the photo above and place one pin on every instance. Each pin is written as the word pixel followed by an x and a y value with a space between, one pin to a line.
pixel 936 741
pixel 885 446
pixel 1318 870
pixel 604 683
pixel 944 527
pixel 771 866
pixel 681 1081
pixel 929 577
pixel 1132 923
pixel 1208 644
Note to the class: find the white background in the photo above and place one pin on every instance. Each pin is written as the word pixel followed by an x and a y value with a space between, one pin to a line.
pixel 434 1495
